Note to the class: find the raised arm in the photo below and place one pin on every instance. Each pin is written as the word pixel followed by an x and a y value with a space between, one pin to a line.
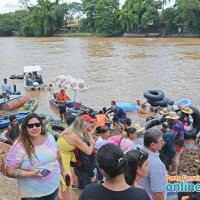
pixel 78 142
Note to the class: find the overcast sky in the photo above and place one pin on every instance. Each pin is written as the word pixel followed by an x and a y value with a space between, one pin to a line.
pixel 12 5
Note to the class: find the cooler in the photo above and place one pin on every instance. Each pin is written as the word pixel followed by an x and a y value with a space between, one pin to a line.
pixel 77 103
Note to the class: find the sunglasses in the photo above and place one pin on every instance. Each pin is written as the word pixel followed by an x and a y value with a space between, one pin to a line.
pixel 142 154
pixel 38 124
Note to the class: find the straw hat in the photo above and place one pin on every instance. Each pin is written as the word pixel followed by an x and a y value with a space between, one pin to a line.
pixel 172 115
pixel 138 127
pixel 187 110
pixel 164 112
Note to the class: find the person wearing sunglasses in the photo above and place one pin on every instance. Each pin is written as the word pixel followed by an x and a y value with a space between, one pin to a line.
pixel 136 167
pixel 112 163
pixel 35 162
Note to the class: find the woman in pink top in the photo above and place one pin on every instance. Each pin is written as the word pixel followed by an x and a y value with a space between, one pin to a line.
pixel 126 143
pixel 136 168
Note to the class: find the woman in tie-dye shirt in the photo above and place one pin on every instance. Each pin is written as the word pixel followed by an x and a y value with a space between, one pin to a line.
pixel 34 151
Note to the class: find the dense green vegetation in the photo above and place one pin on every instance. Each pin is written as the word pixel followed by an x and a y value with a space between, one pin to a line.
pixel 103 17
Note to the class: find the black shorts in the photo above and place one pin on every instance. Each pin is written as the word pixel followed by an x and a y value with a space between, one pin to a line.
pixel 83 179
pixel 62 109
pixel 167 160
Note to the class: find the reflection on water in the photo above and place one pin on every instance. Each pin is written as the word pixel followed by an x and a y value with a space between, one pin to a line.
pixel 118 69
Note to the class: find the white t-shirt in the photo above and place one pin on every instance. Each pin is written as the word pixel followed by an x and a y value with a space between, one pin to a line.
pixel 100 142
pixel 6 88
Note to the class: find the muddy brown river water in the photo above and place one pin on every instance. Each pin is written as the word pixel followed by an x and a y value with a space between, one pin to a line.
pixel 119 69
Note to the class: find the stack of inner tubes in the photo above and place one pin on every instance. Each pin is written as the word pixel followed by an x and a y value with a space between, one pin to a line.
pixel 157 98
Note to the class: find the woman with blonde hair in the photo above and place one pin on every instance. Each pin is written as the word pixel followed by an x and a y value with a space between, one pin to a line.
pixel 72 137
pixel 34 161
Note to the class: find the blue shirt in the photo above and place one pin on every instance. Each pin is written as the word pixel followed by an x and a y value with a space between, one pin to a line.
pixel 119 113
pixel 169 139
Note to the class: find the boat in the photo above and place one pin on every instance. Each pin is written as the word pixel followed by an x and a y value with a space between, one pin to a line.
pixel 68 109
pixel 17 77
pixel 5 122
pixel 29 105
pixel 13 77
pixel 37 83
pixel 71 109
pixel 15 101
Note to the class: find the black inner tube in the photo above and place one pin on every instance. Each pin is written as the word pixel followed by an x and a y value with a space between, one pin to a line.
pixel 57 127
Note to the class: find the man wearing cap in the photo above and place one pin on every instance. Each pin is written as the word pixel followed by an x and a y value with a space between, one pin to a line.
pixel 61 100
pixel 91 127
pixel 178 129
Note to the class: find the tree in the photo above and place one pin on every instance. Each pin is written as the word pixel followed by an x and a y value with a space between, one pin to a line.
pixel 45 18
pixel 168 16
pixel 165 2
pixel 90 12
pixel 138 13
pixel 188 14
pixel 102 17
pixel 6 25
pixel 107 18
pixel 75 10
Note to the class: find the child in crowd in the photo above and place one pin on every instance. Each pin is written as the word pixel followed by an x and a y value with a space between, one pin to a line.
pixel 127 142
pixel 102 140
pixel 13 129
pixel 2 163
pixel 101 118
pixel 105 133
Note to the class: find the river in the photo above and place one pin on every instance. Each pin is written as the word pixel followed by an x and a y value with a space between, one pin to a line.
pixel 119 69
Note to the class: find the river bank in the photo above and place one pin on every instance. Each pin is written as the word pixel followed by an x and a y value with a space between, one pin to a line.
pixel 129 35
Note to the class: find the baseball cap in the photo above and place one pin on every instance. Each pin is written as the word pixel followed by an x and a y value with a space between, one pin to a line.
pixel 88 118
pixel 70 119
pixel 128 121
pixel 62 90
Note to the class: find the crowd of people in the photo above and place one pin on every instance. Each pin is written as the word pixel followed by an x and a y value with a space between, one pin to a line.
pixel 133 168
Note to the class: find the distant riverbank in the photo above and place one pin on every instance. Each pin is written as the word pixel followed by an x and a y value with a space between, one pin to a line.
pixel 129 35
